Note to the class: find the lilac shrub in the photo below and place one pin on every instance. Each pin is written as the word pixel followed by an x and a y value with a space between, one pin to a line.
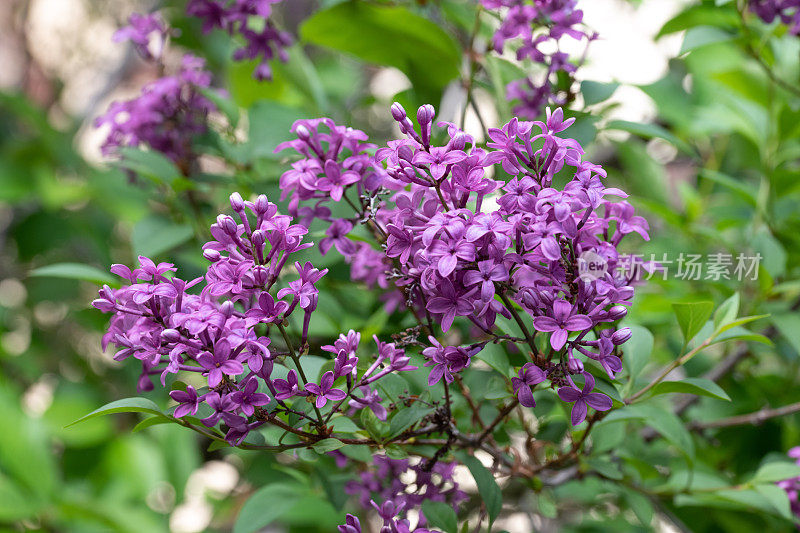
pixel 537 27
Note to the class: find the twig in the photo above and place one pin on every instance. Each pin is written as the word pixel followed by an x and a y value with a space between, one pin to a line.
pixel 755 418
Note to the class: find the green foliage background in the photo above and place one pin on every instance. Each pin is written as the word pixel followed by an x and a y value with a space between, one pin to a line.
pixel 729 108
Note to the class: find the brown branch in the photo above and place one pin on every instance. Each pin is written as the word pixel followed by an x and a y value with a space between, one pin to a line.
pixel 755 418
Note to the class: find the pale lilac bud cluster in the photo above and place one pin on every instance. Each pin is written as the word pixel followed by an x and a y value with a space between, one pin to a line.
pixel 538 26
pixel 249 20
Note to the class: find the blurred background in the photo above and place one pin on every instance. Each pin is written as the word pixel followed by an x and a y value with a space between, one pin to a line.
pixel 706 143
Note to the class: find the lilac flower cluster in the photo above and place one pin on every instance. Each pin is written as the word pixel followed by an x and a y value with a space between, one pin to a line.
pixel 165 117
pixel 788 11
pixel 250 20
pixel 521 19
pixel 792 485
pixel 223 333
pixel 170 111
pixel 335 158
pixel 459 243
pixel 389 480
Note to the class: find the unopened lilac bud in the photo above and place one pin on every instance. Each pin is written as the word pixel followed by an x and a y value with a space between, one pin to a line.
pixel 425 114
pixel 227 224
pixel 212 255
pixel 459 141
pixel 575 365
pixel 302 133
pixel 226 308
pixel 621 336
pixel 237 202
pixel 617 312
pixel 260 275
pixel 398 113
pixel 262 204
pixel 257 238
pixel 171 335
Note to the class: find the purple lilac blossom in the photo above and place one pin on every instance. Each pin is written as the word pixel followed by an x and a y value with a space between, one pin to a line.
pixel 787 11
pixel 148 34
pixel 456 242
pixel 537 25
pixel 792 485
pixel 217 332
pixel 165 117
pixel 402 485
pixel 250 20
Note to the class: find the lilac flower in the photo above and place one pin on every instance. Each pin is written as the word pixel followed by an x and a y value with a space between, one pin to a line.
pixel 561 323
pixel 188 400
pixel 529 375
pixel 219 363
pixel 450 304
pixel 325 391
pixel 286 388
pixel 584 398
pixel 445 360
pixel 148 34
pixel 222 405
pixel 488 272
pixel 268 310
pixel 248 399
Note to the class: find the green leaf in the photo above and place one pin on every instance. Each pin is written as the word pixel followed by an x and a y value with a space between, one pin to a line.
pixel 727 312
pixel 265 506
pixel 270 124
pixel 153 421
pixel 662 420
pixel 441 515
pixel 637 350
pixel 127 405
pixel 405 418
pixel 776 471
pixel 692 317
pixel 649 131
pixel 697 16
pixel 700 36
pixel 595 92
pixel 155 235
pixel 391 36
pixel 150 164
pixel 789 326
pixel 327 445
pixel 75 271
pixel 487 487
pixel 698 386
pixel 737 323
pixel 777 497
